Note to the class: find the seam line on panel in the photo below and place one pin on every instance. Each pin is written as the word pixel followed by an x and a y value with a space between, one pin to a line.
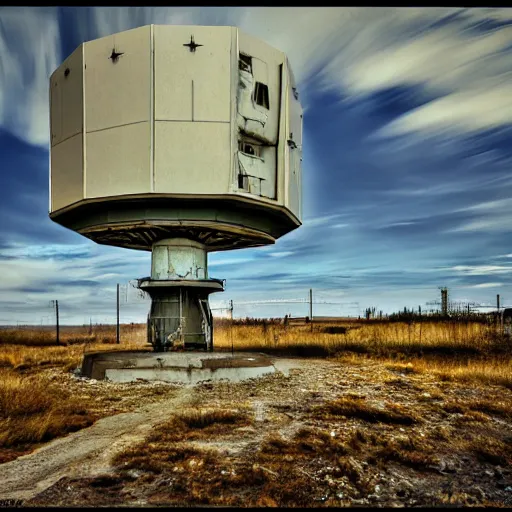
pixel 84 133
pixel 115 126
pixel 67 138
pixel 192 100
pixel 50 149
pixel 188 121
pixel 233 71
pixel 152 108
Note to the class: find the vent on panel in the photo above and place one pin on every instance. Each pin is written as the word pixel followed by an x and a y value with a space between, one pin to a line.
pixel 249 149
pixel 261 95
pixel 243 182
pixel 251 165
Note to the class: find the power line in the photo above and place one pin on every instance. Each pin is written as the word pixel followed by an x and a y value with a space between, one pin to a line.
pixel 289 301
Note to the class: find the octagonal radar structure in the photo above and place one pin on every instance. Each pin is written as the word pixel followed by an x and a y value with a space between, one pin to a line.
pixel 179 140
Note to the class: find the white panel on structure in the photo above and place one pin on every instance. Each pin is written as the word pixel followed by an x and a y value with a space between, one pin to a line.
pixel 117 161
pixel 262 62
pixel 117 79
pixel 66 172
pixel 192 158
pixel 71 83
pixel 257 171
pixel 294 148
pixel 192 85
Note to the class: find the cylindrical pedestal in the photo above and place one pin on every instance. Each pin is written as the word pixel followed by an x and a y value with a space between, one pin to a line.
pixel 180 316
pixel 179 258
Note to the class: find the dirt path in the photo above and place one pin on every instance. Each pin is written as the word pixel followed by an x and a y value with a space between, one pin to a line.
pixel 85 452
pixel 88 452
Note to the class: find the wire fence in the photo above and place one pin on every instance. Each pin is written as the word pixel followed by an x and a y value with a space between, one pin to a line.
pixel 130 305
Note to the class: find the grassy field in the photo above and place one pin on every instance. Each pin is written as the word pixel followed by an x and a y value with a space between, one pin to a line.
pixel 453 350
pixel 33 410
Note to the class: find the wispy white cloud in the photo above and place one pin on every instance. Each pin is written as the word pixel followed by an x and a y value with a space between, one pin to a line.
pixel 471 71
pixel 478 108
pixel 281 254
pixel 486 285
pixel 490 206
pixel 29 53
pixel 228 261
pixel 479 270
pixel 319 221
pixel 397 224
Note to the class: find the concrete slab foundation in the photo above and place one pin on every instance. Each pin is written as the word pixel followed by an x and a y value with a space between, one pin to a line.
pixel 184 367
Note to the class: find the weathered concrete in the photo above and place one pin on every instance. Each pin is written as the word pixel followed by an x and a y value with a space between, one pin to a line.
pixel 184 367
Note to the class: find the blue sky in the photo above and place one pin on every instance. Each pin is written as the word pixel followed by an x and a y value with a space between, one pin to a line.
pixel 407 163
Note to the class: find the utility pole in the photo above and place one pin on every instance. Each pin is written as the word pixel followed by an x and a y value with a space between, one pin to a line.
pixel 231 310
pixel 498 301
pixel 57 318
pixel 444 301
pixel 117 325
pixel 311 308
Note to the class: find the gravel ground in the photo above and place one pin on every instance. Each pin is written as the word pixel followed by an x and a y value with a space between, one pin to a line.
pixel 76 470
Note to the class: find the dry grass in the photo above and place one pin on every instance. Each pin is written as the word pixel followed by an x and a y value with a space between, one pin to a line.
pixel 494 451
pixel 164 447
pixel 361 409
pixel 410 451
pixel 37 336
pixel 32 411
pixel 462 351
pixel 307 442
pixel 205 476
pixel 384 338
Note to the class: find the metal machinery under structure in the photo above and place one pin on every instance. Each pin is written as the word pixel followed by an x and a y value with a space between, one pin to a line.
pixel 179 140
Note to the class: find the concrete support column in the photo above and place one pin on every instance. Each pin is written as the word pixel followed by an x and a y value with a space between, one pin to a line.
pixel 180 316
pixel 179 258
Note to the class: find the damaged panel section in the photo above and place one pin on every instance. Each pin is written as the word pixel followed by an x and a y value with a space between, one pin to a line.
pixel 257 169
pixel 258 98
pixel 257 119
pixel 259 90
pixel 252 118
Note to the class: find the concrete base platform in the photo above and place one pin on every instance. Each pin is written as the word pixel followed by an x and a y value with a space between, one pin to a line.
pixel 185 367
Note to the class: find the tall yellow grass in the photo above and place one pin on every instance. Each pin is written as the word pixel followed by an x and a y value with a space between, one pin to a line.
pixel 375 338
pixel 467 351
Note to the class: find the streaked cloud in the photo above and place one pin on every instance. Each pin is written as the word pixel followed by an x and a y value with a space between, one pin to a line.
pixel 29 52
pixel 406 171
